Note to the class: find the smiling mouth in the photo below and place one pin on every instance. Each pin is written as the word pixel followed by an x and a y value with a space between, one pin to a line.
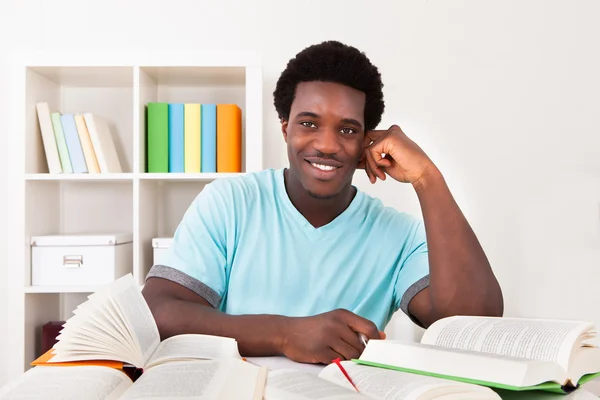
pixel 323 167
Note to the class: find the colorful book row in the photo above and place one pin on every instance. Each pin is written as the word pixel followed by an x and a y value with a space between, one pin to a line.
pixel 182 137
pixel 77 143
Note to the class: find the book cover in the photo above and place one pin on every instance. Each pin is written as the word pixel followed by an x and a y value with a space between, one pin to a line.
pixel 86 144
pixel 157 137
pixel 102 141
pixel 192 143
pixel 229 138
pixel 176 143
pixel 73 144
pixel 209 138
pixel 65 159
pixel 48 138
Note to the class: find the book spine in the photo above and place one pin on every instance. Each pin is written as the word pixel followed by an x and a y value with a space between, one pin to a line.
pixel 86 143
pixel 48 138
pixel 158 137
pixel 192 152
pixel 59 135
pixel 176 138
pixel 209 138
pixel 229 138
pixel 73 143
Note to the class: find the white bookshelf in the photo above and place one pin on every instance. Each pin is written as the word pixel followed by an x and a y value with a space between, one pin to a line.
pixel 117 87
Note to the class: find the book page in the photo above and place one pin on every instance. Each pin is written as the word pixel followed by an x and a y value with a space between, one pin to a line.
pixel 57 383
pixel 543 340
pixel 190 346
pixel 195 379
pixel 385 384
pixel 138 318
pixel 298 385
pixel 119 307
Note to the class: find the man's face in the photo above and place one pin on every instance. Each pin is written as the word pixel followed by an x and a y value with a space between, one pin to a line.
pixel 324 136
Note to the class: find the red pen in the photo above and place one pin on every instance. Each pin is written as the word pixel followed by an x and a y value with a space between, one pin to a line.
pixel 337 361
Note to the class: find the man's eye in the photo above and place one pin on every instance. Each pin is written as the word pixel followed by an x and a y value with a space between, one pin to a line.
pixel 348 131
pixel 308 124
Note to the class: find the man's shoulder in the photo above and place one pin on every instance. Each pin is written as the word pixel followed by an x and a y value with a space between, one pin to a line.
pixel 247 185
pixel 380 213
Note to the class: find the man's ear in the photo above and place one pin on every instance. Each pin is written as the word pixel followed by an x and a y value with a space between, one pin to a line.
pixel 284 126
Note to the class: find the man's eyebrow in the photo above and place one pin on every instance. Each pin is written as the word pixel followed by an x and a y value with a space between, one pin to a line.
pixel 307 114
pixel 352 121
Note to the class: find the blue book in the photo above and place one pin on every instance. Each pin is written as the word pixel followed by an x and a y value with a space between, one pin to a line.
pixel 73 143
pixel 176 142
pixel 209 138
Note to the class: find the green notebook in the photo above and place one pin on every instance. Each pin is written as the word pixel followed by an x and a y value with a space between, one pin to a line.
pixel 157 137
pixel 506 353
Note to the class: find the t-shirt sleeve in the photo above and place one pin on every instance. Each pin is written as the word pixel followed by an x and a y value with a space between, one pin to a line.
pixel 197 257
pixel 413 274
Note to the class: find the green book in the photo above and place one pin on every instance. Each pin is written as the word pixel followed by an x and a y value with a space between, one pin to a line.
pixel 515 354
pixel 61 143
pixel 157 137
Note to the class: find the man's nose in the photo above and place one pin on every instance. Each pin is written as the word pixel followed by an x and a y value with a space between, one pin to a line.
pixel 327 141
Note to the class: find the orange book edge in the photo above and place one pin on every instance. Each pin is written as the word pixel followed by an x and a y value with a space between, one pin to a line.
pixel 44 360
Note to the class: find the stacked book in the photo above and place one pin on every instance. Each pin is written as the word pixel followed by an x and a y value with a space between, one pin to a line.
pixel 77 143
pixel 192 137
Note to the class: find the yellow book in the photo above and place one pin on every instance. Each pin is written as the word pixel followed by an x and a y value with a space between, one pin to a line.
pixel 191 137
pixel 86 143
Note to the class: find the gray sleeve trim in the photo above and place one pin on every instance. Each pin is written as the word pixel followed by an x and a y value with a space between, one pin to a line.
pixel 412 292
pixel 193 284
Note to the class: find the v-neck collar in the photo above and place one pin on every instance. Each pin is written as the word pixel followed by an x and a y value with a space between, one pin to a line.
pixel 305 225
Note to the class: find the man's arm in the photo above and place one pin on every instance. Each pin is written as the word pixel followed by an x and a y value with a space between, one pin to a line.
pixel 178 310
pixel 461 280
pixel 317 339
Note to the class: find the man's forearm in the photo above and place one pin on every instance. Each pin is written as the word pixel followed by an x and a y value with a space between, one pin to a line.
pixel 257 335
pixel 461 279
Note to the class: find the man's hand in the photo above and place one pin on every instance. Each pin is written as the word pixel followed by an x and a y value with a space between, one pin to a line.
pixel 392 152
pixel 325 337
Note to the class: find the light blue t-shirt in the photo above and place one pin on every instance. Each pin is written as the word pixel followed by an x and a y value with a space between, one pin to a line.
pixel 245 248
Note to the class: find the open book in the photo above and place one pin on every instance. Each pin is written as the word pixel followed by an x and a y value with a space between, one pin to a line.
pixel 221 379
pixel 115 326
pixel 506 353
pixel 372 383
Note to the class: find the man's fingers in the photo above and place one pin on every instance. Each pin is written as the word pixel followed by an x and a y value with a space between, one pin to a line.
pixel 375 170
pixel 346 351
pixel 353 339
pixel 372 136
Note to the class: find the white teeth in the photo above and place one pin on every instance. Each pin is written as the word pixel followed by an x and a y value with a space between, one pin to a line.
pixel 323 167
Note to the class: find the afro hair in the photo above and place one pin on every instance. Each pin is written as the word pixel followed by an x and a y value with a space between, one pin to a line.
pixel 332 61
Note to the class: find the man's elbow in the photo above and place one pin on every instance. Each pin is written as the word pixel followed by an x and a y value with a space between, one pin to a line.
pixel 161 307
pixel 487 304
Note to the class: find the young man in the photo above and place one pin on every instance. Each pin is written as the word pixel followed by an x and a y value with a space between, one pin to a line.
pixel 298 261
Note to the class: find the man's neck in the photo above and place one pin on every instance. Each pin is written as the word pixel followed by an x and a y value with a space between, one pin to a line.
pixel 318 212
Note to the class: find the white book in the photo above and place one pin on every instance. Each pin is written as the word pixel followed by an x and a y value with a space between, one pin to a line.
pixel 48 139
pixel 103 143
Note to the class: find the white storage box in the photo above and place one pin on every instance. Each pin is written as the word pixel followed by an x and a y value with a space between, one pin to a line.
pixel 85 259
pixel 160 246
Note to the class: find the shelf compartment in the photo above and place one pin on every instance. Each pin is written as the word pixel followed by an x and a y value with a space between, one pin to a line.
pixel 103 91
pixel 162 205
pixel 65 207
pixel 200 85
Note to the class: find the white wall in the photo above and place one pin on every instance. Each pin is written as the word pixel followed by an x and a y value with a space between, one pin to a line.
pixel 503 95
